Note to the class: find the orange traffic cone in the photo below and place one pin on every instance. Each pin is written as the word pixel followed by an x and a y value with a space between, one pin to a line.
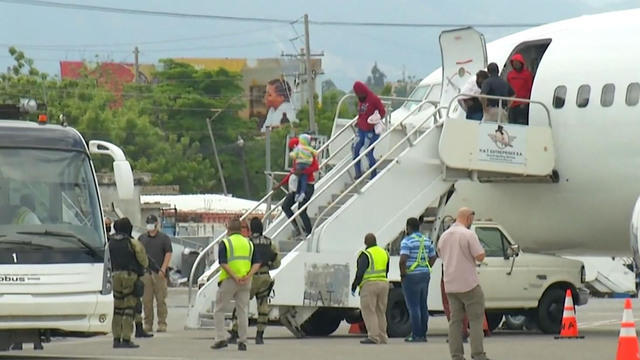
pixel 569 324
pixel 485 327
pixel 628 341
pixel 357 328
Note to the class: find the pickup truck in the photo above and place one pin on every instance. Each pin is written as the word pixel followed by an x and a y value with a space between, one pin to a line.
pixel 514 282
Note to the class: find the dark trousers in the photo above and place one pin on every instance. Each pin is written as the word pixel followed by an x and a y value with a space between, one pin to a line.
pixel 519 114
pixel 416 288
pixel 290 200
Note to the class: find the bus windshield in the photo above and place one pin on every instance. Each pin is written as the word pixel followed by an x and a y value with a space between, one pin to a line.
pixel 48 198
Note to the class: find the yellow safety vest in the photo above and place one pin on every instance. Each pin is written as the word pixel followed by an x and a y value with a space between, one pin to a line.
pixel 423 258
pixel 378 260
pixel 239 253
pixel 21 215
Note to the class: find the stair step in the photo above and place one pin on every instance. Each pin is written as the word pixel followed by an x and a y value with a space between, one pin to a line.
pixel 285 246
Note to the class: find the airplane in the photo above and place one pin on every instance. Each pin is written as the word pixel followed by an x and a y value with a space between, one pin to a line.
pixel 587 74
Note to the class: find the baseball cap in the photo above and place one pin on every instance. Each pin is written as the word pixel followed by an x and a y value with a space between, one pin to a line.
pixel 151 219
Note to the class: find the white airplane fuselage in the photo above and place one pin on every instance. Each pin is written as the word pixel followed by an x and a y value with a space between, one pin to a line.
pixel 597 148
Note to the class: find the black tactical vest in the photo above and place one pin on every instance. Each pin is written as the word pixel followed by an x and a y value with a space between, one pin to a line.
pixel 262 246
pixel 123 258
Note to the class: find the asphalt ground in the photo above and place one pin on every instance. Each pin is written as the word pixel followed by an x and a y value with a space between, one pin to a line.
pixel 598 321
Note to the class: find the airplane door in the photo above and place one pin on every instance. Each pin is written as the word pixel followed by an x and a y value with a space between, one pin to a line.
pixel 463 54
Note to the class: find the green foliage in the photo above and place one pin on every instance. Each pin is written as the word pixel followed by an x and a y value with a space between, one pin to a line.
pixel 162 126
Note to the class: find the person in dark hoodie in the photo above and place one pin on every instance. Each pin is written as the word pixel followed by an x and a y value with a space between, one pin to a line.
pixel 368 104
pixel 521 81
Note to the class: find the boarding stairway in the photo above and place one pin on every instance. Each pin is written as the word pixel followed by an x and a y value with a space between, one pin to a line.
pixel 417 169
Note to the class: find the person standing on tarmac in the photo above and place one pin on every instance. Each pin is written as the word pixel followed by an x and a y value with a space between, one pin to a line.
pixel 261 283
pixel 128 261
pixel 417 255
pixel 371 278
pixel 158 246
pixel 238 262
pixel 460 249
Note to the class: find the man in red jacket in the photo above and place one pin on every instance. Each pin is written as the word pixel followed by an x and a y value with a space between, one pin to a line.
pixel 290 198
pixel 368 104
pixel 521 81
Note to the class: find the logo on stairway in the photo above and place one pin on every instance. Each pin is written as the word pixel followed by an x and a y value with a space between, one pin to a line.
pixel 502 144
pixel 501 137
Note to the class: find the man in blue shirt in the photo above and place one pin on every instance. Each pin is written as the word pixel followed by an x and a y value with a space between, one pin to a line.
pixel 417 255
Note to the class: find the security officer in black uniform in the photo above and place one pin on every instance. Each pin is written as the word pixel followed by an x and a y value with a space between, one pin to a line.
pixel 128 262
pixel 261 284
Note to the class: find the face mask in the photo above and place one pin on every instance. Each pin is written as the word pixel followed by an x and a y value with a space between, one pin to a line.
pixel 151 227
pixel 108 228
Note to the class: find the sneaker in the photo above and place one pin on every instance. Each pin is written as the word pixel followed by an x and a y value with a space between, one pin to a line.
pixel 219 344
pixel 367 341
pixel 162 328
pixel 415 339
pixel 242 346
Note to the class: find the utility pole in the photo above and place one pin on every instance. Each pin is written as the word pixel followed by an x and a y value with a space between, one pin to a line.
pixel 310 78
pixel 308 75
pixel 215 151
pixel 136 65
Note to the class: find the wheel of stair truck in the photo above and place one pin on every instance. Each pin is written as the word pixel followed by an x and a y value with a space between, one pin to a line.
pixel 323 322
pixel 398 322
pixel 550 308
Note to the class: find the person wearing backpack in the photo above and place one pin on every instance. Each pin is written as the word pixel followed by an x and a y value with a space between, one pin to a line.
pixel 417 255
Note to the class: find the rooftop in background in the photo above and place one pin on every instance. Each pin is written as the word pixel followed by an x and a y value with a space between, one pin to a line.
pixel 204 203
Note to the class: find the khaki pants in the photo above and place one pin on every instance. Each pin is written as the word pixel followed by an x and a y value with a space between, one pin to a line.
pixel 228 290
pixel 259 286
pixel 494 113
pixel 373 306
pixel 155 286
pixel 471 303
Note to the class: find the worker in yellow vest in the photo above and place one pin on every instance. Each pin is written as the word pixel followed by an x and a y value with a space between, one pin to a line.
pixel 238 262
pixel 371 278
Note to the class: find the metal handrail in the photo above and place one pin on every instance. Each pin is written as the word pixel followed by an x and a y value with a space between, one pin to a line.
pixel 375 167
pixel 544 106
pixel 262 201
pixel 347 168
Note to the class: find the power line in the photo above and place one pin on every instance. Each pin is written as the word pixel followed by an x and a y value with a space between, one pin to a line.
pixel 151 42
pixel 106 9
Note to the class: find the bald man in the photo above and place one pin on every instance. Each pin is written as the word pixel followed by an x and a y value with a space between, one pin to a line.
pixel 459 248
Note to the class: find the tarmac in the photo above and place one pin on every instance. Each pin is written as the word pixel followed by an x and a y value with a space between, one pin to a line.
pixel 598 321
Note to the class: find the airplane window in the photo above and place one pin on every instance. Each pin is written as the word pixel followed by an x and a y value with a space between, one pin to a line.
pixel 582 99
pixel 608 92
pixel 633 94
pixel 559 96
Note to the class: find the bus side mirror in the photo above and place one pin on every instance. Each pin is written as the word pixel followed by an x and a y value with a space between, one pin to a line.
pixel 123 176
pixel 122 173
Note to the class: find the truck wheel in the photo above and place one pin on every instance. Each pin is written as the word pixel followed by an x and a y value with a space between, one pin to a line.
pixel 323 322
pixel 515 322
pixel 398 322
pixel 494 320
pixel 550 311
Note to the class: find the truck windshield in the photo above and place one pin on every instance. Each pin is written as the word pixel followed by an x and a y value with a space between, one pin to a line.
pixel 49 191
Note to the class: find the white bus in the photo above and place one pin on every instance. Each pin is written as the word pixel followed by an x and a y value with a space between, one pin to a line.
pixel 55 273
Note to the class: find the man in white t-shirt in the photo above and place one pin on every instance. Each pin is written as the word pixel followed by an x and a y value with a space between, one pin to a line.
pixel 459 248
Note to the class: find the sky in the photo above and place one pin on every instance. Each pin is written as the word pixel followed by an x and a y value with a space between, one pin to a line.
pixel 49 35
